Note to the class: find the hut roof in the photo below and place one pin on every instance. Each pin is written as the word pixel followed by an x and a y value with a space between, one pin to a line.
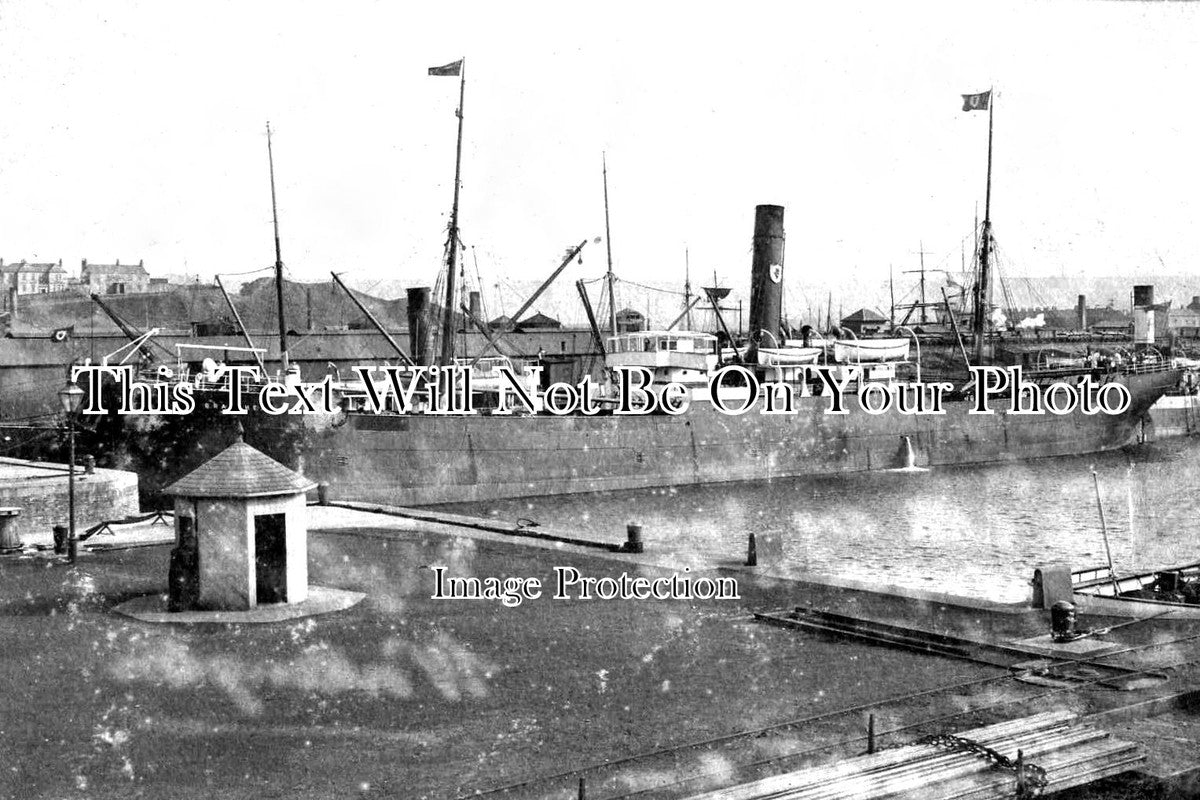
pixel 864 315
pixel 240 471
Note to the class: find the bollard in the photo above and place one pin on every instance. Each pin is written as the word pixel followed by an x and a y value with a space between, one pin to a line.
pixel 871 733
pixel 1062 622
pixel 89 465
pixel 582 789
pixel 633 540
pixel 323 494
pixel 752 552
pixel 60 539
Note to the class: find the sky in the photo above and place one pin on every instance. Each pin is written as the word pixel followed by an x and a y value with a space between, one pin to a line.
pixel 136 131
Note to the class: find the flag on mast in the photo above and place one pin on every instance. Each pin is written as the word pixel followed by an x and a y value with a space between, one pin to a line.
pixel 453 69
pixel 971 102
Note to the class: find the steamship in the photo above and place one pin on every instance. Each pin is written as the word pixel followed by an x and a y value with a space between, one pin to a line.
pixel 421 459
pixel 424 459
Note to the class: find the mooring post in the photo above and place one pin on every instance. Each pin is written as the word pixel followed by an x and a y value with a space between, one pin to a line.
pixel 870 733
pixel 1022 789
pixel 582 789
pixel 633 538
pixel 752 552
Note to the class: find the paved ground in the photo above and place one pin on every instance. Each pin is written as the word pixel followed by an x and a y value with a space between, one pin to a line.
pixel 407 696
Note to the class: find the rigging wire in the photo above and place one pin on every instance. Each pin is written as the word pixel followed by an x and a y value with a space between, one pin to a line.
pixel 649 288
pixel 249 272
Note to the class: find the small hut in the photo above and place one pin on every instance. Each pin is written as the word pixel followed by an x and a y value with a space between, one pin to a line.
pixel 240 533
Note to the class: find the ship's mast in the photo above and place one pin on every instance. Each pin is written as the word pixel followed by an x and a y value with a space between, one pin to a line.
pixel 892 295
pixel 612 306
pixel 922 254
pixel 283 346
pixel 982 292
pixel 452 254
pixel 687 289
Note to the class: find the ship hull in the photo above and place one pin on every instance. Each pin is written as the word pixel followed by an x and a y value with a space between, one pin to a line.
pixel 1173 415
pixel 427 460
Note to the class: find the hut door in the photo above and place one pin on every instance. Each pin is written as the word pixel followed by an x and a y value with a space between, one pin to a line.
pixel 270 558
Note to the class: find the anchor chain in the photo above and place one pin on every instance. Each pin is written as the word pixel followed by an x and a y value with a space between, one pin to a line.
pixel 1034 776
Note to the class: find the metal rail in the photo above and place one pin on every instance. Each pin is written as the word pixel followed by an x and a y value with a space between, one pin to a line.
pixel 854 740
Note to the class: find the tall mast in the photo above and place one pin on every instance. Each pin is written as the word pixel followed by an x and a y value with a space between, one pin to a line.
pixel 687 288
pixel 612 307
pixel 982 289
pixel 922 254
pixel 892 295
pixel 452 256
pixel 283 346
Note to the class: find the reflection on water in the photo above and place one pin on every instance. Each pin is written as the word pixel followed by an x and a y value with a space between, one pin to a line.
pixel 977 531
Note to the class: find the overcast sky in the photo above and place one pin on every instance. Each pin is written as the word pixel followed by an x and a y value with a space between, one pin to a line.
pixel 136 131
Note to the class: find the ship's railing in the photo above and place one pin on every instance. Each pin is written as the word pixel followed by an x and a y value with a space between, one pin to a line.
pixel 916 339
pixel 1099 580
pixel 1127 368
pixel 1143 369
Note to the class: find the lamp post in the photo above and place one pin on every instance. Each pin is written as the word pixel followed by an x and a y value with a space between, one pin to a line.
pixel 71 396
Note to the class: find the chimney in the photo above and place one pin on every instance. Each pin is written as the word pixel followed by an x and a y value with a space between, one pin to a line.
pixel 418 324
pixel 1081 313
pixel 1143 315
pixel 766 279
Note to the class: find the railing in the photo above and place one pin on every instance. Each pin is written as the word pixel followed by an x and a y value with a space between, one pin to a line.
pixel 916 339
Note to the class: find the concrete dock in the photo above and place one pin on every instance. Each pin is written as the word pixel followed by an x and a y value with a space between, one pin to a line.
pixel 405 695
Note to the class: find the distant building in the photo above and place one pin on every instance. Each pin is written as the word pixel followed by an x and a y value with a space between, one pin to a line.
pixel 537 321
pixel 630 321
pixel 865 322
pixel 115 278
pixel 29 278
pixel 1185 317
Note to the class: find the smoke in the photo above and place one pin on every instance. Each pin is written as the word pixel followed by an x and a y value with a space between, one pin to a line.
pixel 998 318
pixel 1029 323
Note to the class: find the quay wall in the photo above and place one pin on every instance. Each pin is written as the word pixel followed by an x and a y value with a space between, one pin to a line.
pixel 39 490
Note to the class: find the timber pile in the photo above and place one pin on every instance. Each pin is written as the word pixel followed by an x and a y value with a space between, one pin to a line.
pixel 974 765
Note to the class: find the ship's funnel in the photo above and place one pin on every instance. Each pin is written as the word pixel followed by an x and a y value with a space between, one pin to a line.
pixel 476 305
pixel 766 279
pixel 418 324
pixel 1143 315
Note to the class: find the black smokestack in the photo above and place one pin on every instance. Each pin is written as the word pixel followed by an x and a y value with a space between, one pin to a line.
pixel 766 279
pixel 418 324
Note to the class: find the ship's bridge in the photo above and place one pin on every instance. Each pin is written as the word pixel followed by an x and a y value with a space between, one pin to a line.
pixel 673 356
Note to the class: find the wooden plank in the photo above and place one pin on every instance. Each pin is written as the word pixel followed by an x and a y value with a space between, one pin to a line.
pixel 1070 756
